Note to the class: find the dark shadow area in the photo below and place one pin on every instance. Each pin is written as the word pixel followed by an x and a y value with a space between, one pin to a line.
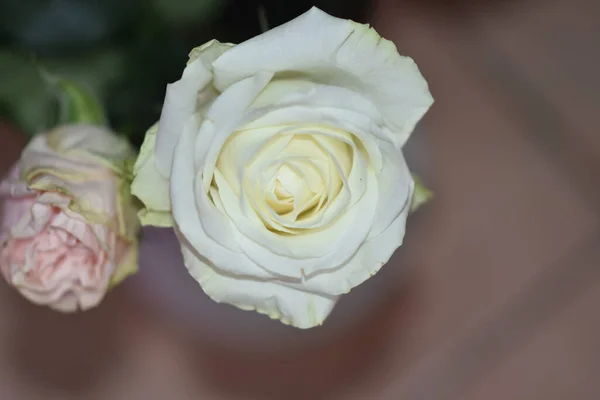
pixel 126 51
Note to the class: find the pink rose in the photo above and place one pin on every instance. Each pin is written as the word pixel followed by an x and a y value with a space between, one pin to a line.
pixel 69 227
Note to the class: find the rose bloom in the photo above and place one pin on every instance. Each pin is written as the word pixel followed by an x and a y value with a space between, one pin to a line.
pixel 69 224
pixel 278 162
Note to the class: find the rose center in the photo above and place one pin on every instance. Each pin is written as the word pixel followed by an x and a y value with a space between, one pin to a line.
pixel 294 188
pixel 291 179
pixel 297 179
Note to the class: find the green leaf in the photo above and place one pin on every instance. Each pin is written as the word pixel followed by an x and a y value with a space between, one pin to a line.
pixel 24 98
pixel 421 195
pixel 77 103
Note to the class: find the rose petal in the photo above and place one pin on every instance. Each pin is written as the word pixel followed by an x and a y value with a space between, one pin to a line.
pixel 222 118
pixel 182 100
pixel 189 224
pixel 290 306
pixel 395 189
pixel 339 52
pixel 290 256
pixel 368 260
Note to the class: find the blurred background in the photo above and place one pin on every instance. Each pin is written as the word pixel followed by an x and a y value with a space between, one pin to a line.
pixel 500 293
pixel 125 51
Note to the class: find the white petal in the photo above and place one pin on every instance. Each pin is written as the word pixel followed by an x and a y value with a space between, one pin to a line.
pixel 223 116
pixel 289 256
pixel 368 260
pixel 184 98
pixel 287 92
pixel 188 222
pixel 209 52
pixel 240 149
pixel 339 52
pixel 345 120
pixel 290 306
pixel 220 121
pixel 396 186
pixel 178 107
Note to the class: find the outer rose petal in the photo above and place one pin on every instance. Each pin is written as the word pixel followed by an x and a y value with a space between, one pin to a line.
pixel 368 260
pixel 387 234
pixel 209 52
pixel 290 306
pixel 183 98
pixel 150 186
pixel 338 52
pixel 190 226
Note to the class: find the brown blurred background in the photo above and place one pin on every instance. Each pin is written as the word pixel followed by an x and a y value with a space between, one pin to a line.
pixel 503 298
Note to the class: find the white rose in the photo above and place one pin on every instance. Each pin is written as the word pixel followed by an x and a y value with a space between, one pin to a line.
pixel 278 162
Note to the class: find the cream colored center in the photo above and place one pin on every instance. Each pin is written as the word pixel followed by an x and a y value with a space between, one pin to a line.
pixel 287 177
